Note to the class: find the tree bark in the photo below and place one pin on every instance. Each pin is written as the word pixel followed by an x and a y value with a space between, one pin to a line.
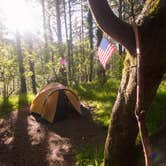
pixel 45 31
pixel 58 21
pixel 123 130
pixel 90 28
pixel 33 76
pixel 32 66
pixel 123 126
pixel 70 44
pixel 50 34
pixel 120 16
pixel 65 19
pixel 112 25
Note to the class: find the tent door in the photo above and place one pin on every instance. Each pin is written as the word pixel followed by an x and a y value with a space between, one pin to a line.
pixel 61 109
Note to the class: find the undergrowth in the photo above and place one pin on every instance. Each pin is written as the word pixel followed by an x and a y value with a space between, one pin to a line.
pixel 90 155
pixel 99 96
pixel 14 102
pixel 102 97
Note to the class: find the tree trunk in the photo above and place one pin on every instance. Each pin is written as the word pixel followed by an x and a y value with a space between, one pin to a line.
pixel 31 64
pixel 101 71
pixel 23 88
pixel 120 16
pixel 4 90
pixel 70 44
pixel 58 21
pixel 65 19
pixel 122 133
pixel 123 127
pixel 33 76
pixel 82 29
pixel 45 31
pixel 50 30
pixel 90 27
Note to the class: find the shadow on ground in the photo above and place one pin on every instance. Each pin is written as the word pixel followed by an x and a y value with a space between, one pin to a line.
pixel 27 142
pixel 24 141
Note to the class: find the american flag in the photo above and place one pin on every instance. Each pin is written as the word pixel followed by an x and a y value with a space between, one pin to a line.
pixel 105 51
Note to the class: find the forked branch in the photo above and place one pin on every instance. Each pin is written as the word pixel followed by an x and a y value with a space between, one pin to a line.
pixel 116 28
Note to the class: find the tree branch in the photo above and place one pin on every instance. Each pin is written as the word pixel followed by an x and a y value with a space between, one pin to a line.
pixel 119 30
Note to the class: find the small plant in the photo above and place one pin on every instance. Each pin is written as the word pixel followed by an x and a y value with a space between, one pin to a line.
pixel 90 156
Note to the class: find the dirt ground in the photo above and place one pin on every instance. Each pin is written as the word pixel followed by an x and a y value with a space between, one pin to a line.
pixel 26 142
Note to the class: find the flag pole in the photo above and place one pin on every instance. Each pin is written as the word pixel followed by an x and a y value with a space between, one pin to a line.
pixel 140 112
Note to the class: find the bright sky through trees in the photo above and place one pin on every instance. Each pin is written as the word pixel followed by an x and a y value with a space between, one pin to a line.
pixel 21 15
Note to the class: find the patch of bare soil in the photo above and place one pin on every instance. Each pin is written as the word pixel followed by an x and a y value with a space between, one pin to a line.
pixel 26 142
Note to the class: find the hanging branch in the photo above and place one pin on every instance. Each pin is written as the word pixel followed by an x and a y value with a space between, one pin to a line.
pixel 140 112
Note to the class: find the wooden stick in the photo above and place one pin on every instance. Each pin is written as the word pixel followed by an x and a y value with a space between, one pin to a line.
pixel 140 112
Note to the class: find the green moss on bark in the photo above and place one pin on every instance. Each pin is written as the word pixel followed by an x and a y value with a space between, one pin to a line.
pixel 129 62
pixel 153 6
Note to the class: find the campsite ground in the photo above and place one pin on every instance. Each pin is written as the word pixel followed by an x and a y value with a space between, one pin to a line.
pixel 76 140
pixel 24 141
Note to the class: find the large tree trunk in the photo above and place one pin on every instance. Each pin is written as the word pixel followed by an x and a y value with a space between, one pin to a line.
pixel 123 127
pixel 120 6
pixel 122 133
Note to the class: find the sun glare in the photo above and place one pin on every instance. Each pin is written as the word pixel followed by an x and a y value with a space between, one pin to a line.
pixel 20 15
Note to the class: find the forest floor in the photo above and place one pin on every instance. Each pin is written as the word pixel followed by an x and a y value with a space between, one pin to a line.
pixel 27 142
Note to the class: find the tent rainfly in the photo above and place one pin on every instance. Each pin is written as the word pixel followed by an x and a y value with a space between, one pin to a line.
pixel 54 102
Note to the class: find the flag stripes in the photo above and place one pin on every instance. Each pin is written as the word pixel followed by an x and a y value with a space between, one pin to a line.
pixel 105 51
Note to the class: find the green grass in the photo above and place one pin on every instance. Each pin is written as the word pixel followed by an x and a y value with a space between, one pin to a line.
pixel 157 113
pixel 90 156
pixel 101 98
pixel 14 102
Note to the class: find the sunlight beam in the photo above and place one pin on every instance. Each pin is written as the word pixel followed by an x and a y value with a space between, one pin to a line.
pixel 20 15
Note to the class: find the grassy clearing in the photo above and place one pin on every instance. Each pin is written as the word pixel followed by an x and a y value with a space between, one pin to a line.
pixel 101 98
pixel 14 102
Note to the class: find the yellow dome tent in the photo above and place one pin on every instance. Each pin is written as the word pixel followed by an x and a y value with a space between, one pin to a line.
pixel 55 101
